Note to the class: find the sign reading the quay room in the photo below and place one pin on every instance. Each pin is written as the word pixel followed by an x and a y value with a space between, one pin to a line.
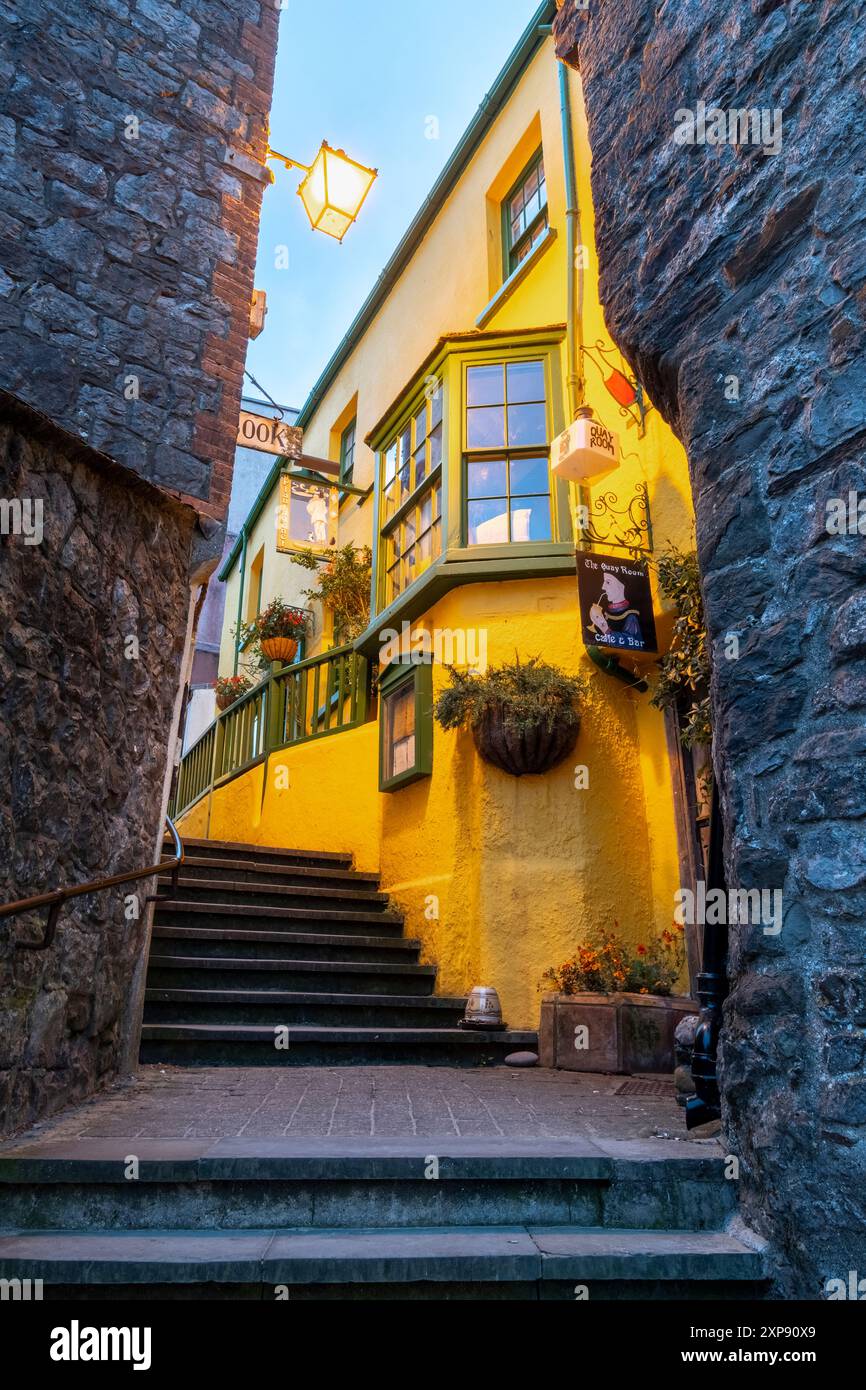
pixel 616 606
pixel 269 436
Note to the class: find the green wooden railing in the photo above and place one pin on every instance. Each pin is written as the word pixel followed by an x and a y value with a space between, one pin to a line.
pixel 323 695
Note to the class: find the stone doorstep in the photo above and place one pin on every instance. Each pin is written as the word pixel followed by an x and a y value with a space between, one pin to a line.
pixel 443 1254
pixel 298 1160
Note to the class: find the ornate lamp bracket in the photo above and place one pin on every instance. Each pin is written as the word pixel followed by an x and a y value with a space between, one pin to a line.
pixel 626 390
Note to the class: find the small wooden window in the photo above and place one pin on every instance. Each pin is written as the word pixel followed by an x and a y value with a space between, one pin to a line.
pixel 524 214
pixel 405 724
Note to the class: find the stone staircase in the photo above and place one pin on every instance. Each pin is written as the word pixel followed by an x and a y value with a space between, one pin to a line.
pixel 345 1219
pixel 274 957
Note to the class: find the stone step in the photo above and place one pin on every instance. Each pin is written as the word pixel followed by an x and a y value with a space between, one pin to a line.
pixel 279 895
pixel 328 976
pixel 241 1183
pixel 240 915
pixel 213 870
pixel 385 1262
pixel 214 944
pixel 244 1045
pixel 265 1008
pixel 268 854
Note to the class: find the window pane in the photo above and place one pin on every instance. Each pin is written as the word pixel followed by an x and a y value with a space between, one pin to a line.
pixel 426 512
pixel 527 424
pixel 436 405
pixel 485 427
pixel 530 519
pixel 408 529
pixel 525 382
pixel 529 475
pixel 436 446
pixel 420 427
pixel 391 463
pixel 399 740
pixel 485 385
pixel 437 502
pixel 425 550
pixel 487 478
pixel 488 522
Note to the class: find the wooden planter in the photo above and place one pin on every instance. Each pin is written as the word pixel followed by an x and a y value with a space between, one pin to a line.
pixel 611 1032
pixel 534 751
pixel 279 648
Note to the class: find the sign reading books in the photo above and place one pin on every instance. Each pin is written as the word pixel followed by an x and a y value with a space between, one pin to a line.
pixel 269 436
pixel 616 606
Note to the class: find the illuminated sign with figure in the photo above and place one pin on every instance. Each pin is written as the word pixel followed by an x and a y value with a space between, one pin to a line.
pixel 306 515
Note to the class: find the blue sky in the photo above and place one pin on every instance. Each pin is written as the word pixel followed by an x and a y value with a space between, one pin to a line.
pixel 366 75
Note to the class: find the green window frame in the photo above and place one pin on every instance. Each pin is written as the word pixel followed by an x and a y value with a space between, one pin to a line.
pixel 410 508
pixel 506 483
pixel 347 452
pixel 405 723
pixel 525 216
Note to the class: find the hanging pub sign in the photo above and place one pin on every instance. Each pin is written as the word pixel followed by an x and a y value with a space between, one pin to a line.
pixel 307 514
pixel 616 606
pixel 269 436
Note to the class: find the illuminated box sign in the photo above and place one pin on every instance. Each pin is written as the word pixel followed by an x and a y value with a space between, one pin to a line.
pixel 269 436
pixel 616 606
pixel 307 515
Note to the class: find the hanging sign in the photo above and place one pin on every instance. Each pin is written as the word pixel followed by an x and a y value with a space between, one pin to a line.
pixel 269 436
pixel 616 605
pixel 307 515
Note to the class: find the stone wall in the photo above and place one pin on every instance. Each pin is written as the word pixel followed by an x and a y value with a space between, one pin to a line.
pixel 132 138
pixel 735 282
pixel 92 624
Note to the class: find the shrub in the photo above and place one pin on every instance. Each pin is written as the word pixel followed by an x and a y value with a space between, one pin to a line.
pixel 231 688
pixel 343 585
pixel 684 681
pixel 525 695
pixel 606 964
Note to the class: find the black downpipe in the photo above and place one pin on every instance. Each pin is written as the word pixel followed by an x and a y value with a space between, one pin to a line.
pixel 712 987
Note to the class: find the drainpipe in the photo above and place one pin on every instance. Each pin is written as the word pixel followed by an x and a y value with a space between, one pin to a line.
pixel 574 239
pixel 243 570
pixel 712 986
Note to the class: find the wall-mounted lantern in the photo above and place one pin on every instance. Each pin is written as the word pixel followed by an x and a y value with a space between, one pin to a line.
pixel 333 190
pixel 586 450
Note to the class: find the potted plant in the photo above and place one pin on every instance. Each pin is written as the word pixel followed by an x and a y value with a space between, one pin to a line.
pixel 276 631
pixel 523 716
pixel 613 1009
pixel 342 585
pixel 231 688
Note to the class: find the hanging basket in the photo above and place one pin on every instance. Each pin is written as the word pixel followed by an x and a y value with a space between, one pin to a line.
pixel 534 750
pixel 279 648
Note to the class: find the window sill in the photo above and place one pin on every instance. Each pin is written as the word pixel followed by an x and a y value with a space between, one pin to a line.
pixel 515 278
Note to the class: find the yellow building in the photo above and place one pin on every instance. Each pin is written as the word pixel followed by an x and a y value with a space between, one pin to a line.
pixel 478 344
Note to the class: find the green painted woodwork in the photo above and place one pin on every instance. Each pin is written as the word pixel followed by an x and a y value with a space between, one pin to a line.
pixel 309 699
pixel 416 674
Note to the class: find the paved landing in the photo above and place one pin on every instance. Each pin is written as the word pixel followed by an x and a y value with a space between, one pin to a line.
pixel 375 1102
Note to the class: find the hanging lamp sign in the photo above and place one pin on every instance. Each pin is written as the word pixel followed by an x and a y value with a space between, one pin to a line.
pixel 616 604
pixel 586 451
pixel 269 436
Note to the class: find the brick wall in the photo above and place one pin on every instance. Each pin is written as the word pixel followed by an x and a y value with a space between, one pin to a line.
pixel 127 241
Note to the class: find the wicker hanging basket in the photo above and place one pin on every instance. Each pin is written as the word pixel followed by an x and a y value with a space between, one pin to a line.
pixel 279 648
pixel 532 751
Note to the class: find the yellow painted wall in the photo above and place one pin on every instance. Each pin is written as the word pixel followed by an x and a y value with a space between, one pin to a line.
pixel 499 877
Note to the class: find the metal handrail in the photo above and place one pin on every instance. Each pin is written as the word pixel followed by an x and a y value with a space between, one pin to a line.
pixel 56 900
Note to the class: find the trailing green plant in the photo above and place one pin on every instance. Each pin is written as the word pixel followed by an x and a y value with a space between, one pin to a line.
pixel 343 585
pixel 605 964
pixel 525 695
pixel 684 680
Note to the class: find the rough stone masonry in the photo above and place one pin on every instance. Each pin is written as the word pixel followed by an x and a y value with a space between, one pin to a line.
pixel 734 280
pixel 133 136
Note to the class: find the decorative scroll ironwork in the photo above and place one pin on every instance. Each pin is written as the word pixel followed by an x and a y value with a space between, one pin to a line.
pixel 606 523
pixel 635 410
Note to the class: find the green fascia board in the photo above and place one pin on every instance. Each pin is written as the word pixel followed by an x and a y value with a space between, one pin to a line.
pixel 253 515
pixel 532 38
pixel 546 560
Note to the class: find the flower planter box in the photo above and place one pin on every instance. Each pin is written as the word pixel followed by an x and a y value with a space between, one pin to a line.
pixel 618 1033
